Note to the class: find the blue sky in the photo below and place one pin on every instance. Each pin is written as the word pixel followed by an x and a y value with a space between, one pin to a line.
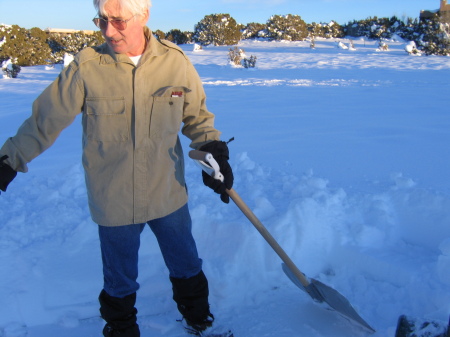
pixel 169 14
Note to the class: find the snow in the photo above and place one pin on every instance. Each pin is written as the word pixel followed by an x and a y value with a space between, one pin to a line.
pixel 67 59
pixel 342 155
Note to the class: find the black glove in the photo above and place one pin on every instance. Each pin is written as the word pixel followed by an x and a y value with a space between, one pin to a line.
pixel 7 174
pixel 219 151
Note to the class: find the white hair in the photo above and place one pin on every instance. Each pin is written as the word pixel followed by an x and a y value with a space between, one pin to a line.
pixel 135 7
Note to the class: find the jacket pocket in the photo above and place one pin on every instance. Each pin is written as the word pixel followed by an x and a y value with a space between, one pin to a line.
pixel 167 111
pixel 105 119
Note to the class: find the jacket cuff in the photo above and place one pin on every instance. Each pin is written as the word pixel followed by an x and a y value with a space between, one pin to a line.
pixel 217 148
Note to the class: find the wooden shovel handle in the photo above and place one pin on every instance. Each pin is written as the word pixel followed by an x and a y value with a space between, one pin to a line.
pixel 201 155
pixel 198 155
pixel 267 236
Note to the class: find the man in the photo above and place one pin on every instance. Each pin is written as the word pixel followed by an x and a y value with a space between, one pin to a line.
pixel 133 92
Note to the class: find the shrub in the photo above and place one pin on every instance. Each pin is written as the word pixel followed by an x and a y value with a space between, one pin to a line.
pixel 27 47
pixel 178 37
pixel 10 70
pixel 287 27
pixel 250 63
pixel 235 56
pixel 238 58
pixel 326 30
pixel 72 44
pixel 411 48
pixel 383 46
pixel 434 38
pixel 159 34
pixel 218 30
pixel 253 30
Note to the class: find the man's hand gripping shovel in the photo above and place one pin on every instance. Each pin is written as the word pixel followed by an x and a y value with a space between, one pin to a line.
pixel 317 290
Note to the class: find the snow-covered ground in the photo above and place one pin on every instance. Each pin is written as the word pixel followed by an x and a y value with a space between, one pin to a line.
pixel 342 154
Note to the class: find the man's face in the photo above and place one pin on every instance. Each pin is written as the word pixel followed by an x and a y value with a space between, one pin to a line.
pixel 131 40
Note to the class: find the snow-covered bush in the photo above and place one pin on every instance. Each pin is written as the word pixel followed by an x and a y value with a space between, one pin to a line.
pixel 236 55
pixel 249 62
pixel 197 47
pixel 27 46
pixel 434 37
pixel 383 46
pixel 326 30
pixel 253 30
pixel 9 69
pixel 431 36
pixel 286 27
pixel 237 58
pixel 71 44
pixel 411 48
pixel 376 28
pixel 218 30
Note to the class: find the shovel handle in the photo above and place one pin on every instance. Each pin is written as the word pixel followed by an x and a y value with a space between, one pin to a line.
pixel 198 155
pixel 267 236
pixel 207 162
pixel 202 156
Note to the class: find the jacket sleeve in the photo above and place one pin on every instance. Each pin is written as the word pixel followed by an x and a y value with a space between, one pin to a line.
pixel 198 121
pixel 53 110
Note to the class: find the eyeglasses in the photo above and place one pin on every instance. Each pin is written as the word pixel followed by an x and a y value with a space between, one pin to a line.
pixel 118 24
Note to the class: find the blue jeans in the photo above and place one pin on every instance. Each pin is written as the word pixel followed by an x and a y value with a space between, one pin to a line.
pixel 120 246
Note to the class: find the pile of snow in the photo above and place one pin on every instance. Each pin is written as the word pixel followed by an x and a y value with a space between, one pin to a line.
pixel 411 48
pixel 341 45
pixel 197 47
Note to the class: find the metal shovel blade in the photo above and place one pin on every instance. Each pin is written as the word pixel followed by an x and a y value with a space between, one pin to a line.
pixel 320 292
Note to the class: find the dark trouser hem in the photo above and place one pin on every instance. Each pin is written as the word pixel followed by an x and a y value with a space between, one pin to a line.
pixel 191 296
pixel 119 314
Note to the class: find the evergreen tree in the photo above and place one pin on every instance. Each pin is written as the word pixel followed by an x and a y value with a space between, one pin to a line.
pixel 286 27
pixel 434 38
pixel 314 30
pixel 218 30
pixel 26 47
pixel 159 34
pixel 253 30
pixel 72 43
pixel 326 30
pixel 178 37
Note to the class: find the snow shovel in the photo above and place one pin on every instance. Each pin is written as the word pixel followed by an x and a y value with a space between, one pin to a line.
pixel 320 292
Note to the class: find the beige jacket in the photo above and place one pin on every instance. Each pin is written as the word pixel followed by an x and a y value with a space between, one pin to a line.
pixel 131 118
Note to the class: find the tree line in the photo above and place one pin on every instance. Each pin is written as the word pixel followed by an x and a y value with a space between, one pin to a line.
pixel 26 47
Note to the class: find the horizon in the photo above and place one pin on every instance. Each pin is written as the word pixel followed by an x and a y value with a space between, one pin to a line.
pixel 47 14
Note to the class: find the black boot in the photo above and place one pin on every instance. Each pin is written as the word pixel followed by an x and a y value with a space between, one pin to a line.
pixel 119 314
pixel 191 296
pixel 448 328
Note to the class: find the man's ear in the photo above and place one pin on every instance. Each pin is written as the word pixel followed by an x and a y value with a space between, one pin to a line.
pixel 145 17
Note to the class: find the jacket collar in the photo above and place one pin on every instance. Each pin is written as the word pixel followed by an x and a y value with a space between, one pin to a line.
pixel 154 48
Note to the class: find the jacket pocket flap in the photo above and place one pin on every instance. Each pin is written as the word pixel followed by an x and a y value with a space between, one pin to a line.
pixel 105 105
pixel 170 91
